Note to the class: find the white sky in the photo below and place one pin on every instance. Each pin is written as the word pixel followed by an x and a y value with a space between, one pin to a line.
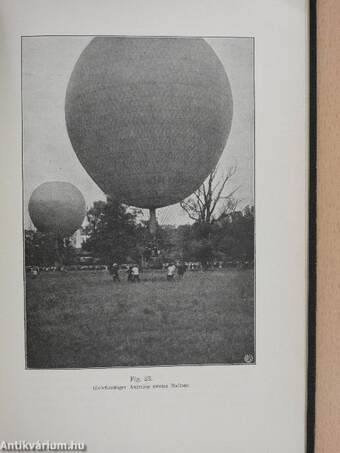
pixel 48 154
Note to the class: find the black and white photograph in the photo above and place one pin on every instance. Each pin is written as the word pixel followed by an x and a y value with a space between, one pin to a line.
pixel 138 201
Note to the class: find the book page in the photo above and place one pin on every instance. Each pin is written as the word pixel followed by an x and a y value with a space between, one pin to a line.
pixel 155 248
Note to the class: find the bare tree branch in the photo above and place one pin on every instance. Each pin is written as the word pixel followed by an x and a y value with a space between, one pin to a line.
pixel 202 205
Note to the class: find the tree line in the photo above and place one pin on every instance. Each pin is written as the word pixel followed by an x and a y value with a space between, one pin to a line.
pixel 114 232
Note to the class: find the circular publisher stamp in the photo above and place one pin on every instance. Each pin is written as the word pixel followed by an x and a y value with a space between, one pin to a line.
pixel 249 358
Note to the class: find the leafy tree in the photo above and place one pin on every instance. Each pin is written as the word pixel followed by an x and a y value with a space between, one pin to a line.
pixel 44 249
pixel 112 232
pixel 156 248
pixel 235 235
pixel 197 244
pixel 230 238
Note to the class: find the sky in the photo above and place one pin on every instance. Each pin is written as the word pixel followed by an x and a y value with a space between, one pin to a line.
pixel 47 63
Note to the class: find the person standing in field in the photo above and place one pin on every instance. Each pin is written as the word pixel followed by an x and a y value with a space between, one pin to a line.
pixel 171 272
pixel 135 273
pixel 181 269
pixel 114 271
pixel 35 271
pixel 129 274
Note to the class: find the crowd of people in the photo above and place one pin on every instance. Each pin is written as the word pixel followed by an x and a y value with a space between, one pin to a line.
pixel 133 271
pixel 172 270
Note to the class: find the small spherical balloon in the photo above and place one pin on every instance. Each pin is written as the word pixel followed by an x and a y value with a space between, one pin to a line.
pixel 57 207
pixel 148 117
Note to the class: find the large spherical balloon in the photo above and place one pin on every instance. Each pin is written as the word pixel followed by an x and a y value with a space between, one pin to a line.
pixel 57 207
pixel 148 117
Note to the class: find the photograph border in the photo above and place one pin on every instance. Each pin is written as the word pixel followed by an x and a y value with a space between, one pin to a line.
pixel 254 363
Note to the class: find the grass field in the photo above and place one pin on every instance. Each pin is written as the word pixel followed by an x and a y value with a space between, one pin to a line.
pixel 82 319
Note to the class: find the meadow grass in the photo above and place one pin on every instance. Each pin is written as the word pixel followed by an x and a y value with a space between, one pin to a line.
pixel 83 319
